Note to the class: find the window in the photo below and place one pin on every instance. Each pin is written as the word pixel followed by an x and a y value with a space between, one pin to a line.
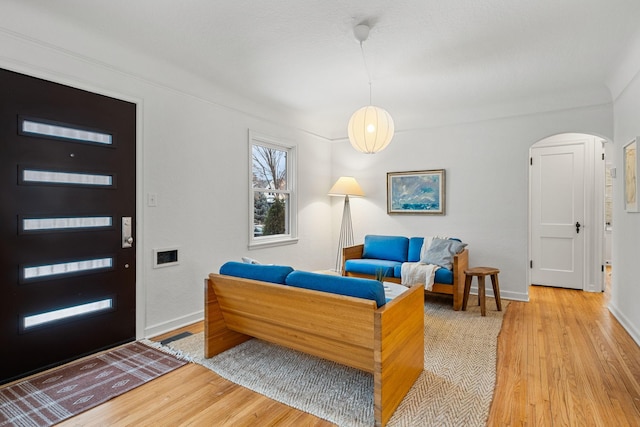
pixel 272 197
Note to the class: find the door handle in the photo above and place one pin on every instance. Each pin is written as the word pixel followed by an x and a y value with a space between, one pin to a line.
pixel 578 225
pixel 127 235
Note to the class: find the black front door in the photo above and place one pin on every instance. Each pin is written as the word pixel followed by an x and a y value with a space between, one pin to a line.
pixel 67 211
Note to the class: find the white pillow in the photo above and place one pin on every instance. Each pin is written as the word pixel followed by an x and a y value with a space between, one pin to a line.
pixel 248 260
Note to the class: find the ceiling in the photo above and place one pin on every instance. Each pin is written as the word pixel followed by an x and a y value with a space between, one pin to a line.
pixel 431 62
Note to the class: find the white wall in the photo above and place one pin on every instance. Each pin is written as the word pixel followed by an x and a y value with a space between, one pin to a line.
pixel 625 287
pixel 192 152
pixel 487 172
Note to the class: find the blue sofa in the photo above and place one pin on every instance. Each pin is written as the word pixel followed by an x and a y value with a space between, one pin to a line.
pixel 385 255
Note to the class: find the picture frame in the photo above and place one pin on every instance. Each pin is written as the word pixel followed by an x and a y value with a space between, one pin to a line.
pixel 416 192
pixel 630 163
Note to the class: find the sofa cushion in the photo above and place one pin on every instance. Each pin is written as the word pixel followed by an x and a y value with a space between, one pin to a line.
pixel 442 275
pixel 442 251
pixel 372 266
pixel 415 246
pixel 266 273
pixel 349 286
pixel 392 248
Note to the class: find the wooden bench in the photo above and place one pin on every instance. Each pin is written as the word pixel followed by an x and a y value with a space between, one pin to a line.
pixel 387 341
pixel 460 264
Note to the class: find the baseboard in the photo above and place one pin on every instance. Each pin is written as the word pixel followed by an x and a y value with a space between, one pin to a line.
pixel 163 328
pixel 513 296
pixel 626 324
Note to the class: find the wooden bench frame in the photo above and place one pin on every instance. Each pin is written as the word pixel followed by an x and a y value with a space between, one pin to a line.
pixel 460 264
pixel 386 341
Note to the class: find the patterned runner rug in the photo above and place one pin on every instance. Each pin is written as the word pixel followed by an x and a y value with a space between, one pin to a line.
pixel 55 395
pixel 455 389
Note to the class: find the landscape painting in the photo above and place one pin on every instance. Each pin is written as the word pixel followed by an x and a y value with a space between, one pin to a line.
pixel 418 192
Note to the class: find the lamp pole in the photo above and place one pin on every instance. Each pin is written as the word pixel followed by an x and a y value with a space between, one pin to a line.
pixel 345 186
pixel 346 233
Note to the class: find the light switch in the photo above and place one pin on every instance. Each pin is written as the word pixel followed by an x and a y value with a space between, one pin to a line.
pixel 152 199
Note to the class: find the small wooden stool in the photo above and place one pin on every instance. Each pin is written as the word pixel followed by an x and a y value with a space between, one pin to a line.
pixel 480 273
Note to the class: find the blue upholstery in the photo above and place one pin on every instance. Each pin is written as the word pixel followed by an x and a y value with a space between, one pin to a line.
pixel 415 247
pixel 349 286
pixel 392 248
pixel 371 266
pixel 388 253
pixel 266 273
pixel 443 275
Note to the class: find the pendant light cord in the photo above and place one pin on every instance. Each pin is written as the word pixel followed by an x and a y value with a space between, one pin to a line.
pixel 366 67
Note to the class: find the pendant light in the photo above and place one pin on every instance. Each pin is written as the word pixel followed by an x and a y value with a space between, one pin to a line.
pixel 370 128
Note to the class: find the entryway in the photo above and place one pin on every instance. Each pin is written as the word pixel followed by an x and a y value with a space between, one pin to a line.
pixel 67 209
pixel 566 221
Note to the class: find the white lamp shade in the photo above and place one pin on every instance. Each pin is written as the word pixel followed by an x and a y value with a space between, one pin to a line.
pixel 370 129
pixel 346 186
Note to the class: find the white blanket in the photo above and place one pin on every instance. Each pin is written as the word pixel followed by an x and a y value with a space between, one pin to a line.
pixel 414 273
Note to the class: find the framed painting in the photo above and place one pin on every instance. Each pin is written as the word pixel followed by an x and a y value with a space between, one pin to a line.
pixel 418 192
pixel 630 159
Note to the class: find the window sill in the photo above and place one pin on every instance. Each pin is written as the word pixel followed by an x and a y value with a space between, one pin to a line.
pixel 272 243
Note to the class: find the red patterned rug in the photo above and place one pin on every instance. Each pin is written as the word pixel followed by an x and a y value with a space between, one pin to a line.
pixel 59 394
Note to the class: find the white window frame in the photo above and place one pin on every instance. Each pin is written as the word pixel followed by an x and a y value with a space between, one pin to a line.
pixel 291 165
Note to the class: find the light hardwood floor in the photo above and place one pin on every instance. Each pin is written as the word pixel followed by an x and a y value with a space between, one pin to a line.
pixel 562 360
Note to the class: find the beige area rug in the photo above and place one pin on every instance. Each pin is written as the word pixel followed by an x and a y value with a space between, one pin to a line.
pixel 455 389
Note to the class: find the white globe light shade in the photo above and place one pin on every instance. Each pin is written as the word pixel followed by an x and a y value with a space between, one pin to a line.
pixel 370 129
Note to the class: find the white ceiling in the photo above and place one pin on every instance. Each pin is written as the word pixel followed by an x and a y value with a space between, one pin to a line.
pixel 431 61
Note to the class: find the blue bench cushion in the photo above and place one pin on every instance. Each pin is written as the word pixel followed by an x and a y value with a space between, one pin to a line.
pixel 443 275
pixel 371 267
pixel 392 248
pixel 349 286
pixel 266 273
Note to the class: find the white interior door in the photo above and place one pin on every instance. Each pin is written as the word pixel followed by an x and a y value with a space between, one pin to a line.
pixel 558 211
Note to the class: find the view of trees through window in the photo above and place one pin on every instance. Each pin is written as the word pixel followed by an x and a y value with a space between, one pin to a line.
pixel 270 191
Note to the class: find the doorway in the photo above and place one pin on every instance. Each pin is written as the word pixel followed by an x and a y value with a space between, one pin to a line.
pixel 67 209
pixel 566 212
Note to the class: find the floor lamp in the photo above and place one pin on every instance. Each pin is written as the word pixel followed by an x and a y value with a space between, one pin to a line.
pixel 345 186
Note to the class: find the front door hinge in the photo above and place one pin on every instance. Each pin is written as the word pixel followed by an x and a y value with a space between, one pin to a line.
pixel 531 161
pixel 602 268
pixel 530 264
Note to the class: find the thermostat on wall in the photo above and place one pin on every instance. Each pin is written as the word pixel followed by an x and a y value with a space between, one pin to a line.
pixel 165 257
